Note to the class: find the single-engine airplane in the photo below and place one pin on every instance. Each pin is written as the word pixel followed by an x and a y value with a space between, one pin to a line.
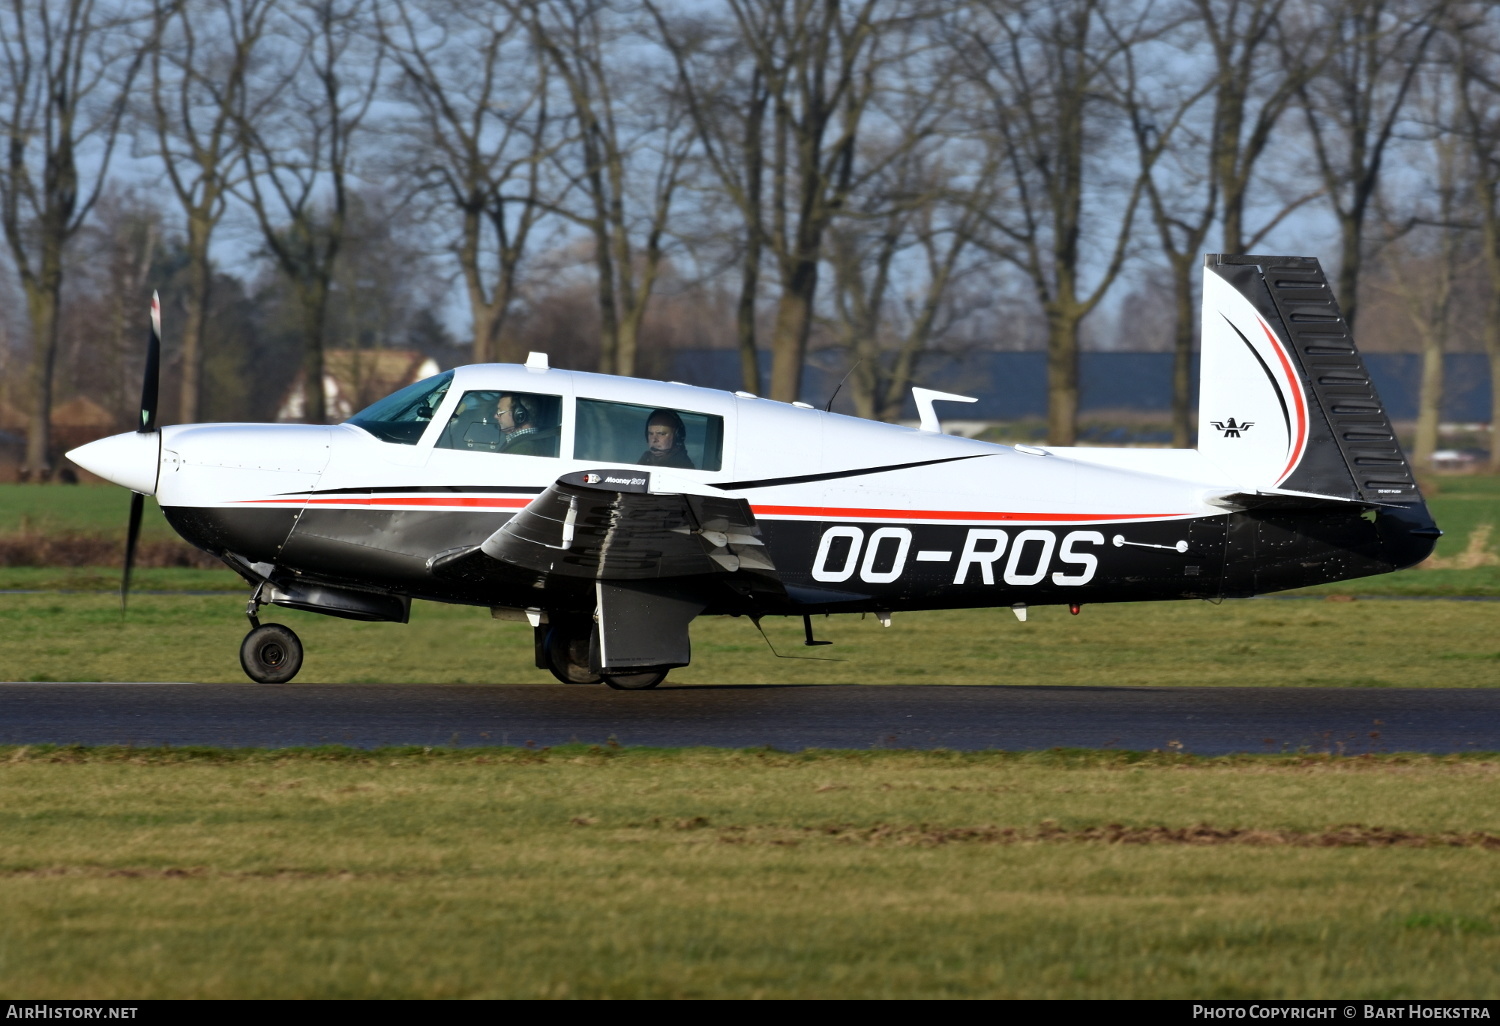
pixel 608 512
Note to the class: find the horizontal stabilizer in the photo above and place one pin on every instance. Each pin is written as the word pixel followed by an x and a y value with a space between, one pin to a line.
pixel 1289 501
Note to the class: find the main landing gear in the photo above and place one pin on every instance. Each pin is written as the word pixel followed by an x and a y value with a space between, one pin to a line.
pixel 271 653
pixel 563 650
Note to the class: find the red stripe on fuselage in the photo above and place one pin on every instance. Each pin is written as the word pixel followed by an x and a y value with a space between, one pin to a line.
pixel 405 503
pixel 1299 440
pixel 821 512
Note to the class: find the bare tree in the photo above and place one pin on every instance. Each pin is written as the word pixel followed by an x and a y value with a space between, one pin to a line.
pixel 67 70
pixel 1477 38
pixel 1046 78
pixel 899 246
pixel 625 160
pixel 777 97
pixel 478 139
pixel 1368 56
pixel 297 124
pixel 199 70
pixel 1219 130
pixel 1260 62
pixel 1432 244
pixel 727 98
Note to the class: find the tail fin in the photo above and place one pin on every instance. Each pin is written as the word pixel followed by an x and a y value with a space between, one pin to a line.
pixel 1285 401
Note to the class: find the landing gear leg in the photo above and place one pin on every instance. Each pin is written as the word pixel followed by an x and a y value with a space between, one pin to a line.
pixel 271 653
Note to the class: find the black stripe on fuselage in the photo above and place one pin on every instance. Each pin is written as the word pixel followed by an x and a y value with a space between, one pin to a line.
pixel 836 474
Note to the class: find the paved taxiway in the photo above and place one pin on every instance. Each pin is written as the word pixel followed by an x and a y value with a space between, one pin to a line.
pixel 1203 720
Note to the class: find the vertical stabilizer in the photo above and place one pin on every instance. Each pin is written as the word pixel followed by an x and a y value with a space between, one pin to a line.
pixel 1284 399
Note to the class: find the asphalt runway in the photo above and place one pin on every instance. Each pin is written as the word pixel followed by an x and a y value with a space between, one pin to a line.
pixel 1208 721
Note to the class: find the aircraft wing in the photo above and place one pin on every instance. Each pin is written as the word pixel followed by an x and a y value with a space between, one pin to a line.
pixel 606 525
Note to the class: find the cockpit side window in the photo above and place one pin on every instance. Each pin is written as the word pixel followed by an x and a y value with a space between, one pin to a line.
pixel 648 436
pixel 402 416
pixel 510 423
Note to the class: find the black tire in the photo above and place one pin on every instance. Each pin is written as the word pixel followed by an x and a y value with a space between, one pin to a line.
pixel 271 654
pixel 635 681
pixel 568 656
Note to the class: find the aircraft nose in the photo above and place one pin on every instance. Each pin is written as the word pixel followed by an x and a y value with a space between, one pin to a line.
pixel 131 460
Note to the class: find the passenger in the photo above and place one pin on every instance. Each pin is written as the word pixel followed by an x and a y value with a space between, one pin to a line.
pixel 518 428
pixel 666 441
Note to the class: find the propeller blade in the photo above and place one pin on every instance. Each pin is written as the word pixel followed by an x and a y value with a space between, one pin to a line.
pixel 132 535
pixel 153 370
pixel 149 388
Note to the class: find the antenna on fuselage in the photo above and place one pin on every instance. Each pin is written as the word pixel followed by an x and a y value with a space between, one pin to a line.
pixel 828 406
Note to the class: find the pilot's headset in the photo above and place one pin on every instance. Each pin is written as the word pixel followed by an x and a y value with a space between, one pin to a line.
pixel 520 413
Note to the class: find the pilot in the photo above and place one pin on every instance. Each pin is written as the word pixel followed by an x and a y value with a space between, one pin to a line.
pixel 666 441
pixel 518 428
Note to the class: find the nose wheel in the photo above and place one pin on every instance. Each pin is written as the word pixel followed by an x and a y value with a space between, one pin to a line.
pixel 271 654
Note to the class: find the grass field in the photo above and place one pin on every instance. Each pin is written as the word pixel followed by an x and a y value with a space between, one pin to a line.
pixel 593 873
pixel 1256 642
pixel 635 873
pixel 59 636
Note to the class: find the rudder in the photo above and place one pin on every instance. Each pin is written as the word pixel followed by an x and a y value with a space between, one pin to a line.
pixel 1285 400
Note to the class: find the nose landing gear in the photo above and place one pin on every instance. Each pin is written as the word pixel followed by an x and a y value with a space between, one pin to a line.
pixel 271 653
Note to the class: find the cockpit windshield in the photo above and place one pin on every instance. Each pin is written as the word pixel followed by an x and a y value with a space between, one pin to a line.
pixel 402 416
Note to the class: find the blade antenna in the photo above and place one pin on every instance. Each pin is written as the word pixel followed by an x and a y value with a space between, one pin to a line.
pixel 145 425
pixel 828 406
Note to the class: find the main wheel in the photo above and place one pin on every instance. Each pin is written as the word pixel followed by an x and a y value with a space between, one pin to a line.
pixel 635 681
pixel 568 656
pixel 271 654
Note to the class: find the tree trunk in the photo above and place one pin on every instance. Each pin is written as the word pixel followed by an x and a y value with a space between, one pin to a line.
pixel 1349 266
pixel 744 318
pixel 1492 348
pixel 41 304
pixel 1430 399
pixel 1182 352
pixel 195 321
pixel 314 301
pixel 609 328
pixel 1062 378
pixel 793 325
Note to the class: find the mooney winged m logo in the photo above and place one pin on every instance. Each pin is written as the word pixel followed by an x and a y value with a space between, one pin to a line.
pixel 1230 428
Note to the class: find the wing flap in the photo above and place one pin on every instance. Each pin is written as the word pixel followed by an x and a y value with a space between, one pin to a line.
pixel 599 526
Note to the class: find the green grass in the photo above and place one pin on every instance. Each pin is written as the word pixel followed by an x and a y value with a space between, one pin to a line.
pixel 1256 642
pixel 596 873
pixel 78 509
pixel 1367 644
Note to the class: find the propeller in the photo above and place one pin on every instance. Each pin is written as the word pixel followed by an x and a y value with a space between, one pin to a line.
pixel 145 426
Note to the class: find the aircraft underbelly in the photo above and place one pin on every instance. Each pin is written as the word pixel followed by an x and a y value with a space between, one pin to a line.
pixel 382 546
pixel 1275 551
